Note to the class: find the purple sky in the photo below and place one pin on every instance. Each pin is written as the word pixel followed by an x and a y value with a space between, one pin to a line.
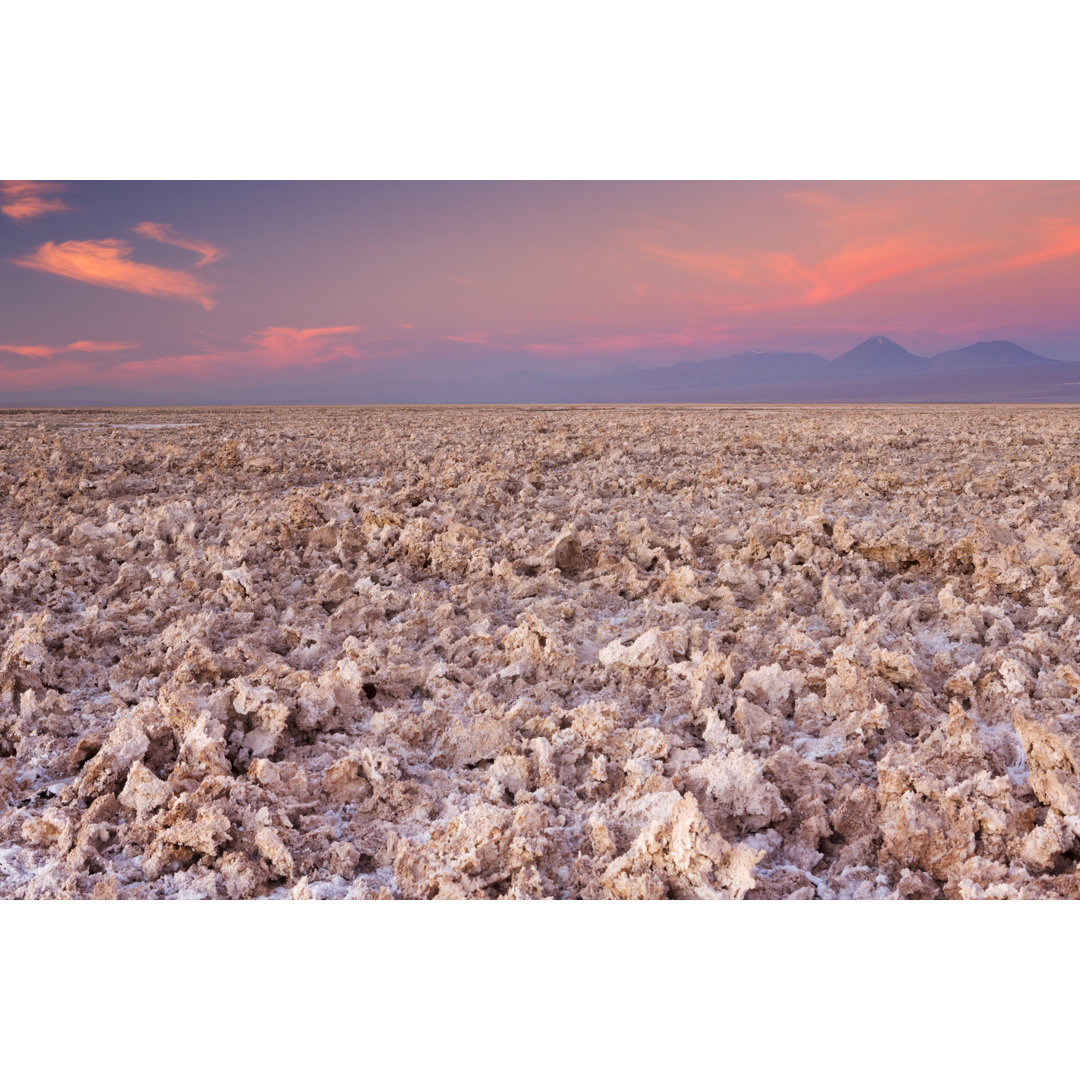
pixel 175 292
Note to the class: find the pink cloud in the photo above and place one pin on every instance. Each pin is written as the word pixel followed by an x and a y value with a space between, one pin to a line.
pixel 852 238
pixel 797 283
pixel 24 200
pixel 1058 240
pixel 36 366
pixel 1052 239
pixel 61 372
pixel 858 267
pixel 45 351
pixel 272 349
pixel 164 234
pixel 106 263
pixel 287 346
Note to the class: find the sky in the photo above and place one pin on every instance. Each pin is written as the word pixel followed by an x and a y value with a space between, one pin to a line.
pixel 193 292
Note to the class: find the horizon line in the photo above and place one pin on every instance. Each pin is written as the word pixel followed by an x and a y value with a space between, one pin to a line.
pixel 877 403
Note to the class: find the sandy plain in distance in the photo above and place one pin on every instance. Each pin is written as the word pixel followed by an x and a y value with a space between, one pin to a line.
pixel 540 652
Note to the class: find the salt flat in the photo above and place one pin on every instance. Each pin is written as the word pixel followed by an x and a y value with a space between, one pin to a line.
pixel 526 652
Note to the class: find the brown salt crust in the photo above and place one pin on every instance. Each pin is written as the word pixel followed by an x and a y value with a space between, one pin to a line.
pixel 540 652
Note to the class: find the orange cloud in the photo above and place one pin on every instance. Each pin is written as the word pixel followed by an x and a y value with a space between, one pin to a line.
pixel 164 234
pixel 287 346
pixel 1051 240
pixel 106 263
pixel 24 200
pixel 854 237
pixel 45 351
pixel 795 283
pixel 1059 239
pixel 272 349
pixel 63 372
pixel 856 268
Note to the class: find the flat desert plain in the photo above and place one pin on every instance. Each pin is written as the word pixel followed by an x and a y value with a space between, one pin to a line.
pixel 814 652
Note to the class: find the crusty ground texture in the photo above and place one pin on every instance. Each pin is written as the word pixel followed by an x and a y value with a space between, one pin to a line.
pixel 540 652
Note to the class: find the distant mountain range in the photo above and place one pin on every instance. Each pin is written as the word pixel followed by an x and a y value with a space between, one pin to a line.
pixel 989 354
pixel 876 370
pixel 875 357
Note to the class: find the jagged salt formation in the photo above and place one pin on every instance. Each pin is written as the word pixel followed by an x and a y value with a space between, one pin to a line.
pixel 540 653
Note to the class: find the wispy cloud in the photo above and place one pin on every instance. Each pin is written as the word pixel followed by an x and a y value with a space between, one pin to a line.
pixel 107 263
pixel 617 343
pixel 28 367
pixel 24 200
pixel 44 352
pixel 1055 239
pixel 474 337
pixel 273 349
pixel 856 237
pixel 713 264
pixel 288 346
pixel 859 266
pixel 776 279
pixel 165 234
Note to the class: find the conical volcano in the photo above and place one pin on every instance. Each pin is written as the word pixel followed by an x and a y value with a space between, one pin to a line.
pixel 878 355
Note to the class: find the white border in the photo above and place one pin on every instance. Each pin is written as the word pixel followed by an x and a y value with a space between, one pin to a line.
pixel 844 989
pixel 782 90
pixel 568 89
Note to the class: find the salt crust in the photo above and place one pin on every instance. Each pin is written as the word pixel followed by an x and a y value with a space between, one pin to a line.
pixel 540 653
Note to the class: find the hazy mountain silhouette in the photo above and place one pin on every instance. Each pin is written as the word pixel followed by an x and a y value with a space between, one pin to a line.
pixel 876 370
pixel 989 354
pixel 879 355
pixel 754 366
